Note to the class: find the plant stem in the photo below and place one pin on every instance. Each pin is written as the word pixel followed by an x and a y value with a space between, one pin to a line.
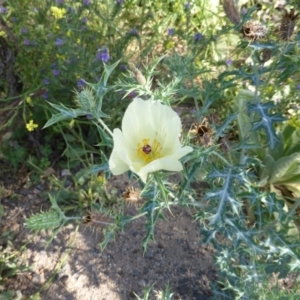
pixel 105 127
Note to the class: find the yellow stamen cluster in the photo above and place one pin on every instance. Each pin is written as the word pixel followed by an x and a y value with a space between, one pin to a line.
pixel 148 151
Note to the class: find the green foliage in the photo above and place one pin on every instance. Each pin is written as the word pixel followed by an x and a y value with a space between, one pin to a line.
pixel 221 75
pixel 160 295
pixel 9 265
pixel 15 155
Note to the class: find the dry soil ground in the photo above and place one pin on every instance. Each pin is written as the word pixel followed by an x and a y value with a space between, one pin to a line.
pixel 73 267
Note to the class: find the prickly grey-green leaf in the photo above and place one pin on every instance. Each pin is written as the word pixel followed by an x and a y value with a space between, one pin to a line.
pixel 44 220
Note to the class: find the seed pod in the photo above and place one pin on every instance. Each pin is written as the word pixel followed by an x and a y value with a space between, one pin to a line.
pixel 96 219
pixel 132 195
pixel 266 55
pixel 138 74
pixel 254 30
pixel 288 24
pixel 231 11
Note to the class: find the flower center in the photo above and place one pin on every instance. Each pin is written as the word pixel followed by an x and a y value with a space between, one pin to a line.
pixel 149 151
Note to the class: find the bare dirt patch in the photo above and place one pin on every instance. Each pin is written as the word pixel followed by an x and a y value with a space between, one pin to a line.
pixel 72 266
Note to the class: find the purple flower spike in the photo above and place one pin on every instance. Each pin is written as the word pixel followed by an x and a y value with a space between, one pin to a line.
pixel 103 55
pixel 3 10
pixel 187 6
pixel 132 94
pixel 133 32
pixel 46 81
pixel 59 42
pixel 123 68
pixel 80 83
pixel 171 31
pixel 197 37
pixel 229 62
pixel 45 95
pixel 55 72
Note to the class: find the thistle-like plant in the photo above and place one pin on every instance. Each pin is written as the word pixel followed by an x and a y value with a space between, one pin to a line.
pixel 279 159
pixel 246 253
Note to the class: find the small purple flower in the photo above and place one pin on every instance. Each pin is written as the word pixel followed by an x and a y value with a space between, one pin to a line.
pixel 24 30
pixel 83 28
pixel 84 20
pixel 171 31
pixel 187 6
pixel 197 37
pixel 60 2
pixel 26 42
pixel 86 2
pixel 133 32
pixel 46 81
pixel 298 87
pixel 53 66
pixel 45 95
pixel 89 116
pixel 59 42
pixel 103 55
pixel 123 68
pixel 229 62
pixel 132 95
pixel 55 72
pixel 80 83
pixel 3 10
pixel 120 2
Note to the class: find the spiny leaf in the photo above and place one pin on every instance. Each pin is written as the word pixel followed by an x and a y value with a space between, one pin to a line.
pixel 266 121
pixel 44 220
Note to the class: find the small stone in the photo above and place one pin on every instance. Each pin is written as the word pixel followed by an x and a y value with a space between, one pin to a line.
pixel 37 278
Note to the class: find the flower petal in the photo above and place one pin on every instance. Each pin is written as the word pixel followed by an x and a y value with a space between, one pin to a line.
pixel 119 161
pixel 181 152
pixel 164 163
pixel 152 119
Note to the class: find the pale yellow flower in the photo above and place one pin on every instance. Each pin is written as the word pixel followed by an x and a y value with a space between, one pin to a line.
pixel 2 33
pixel 30 126
pixel 57 12
pixel 149 140
pixel 29 101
